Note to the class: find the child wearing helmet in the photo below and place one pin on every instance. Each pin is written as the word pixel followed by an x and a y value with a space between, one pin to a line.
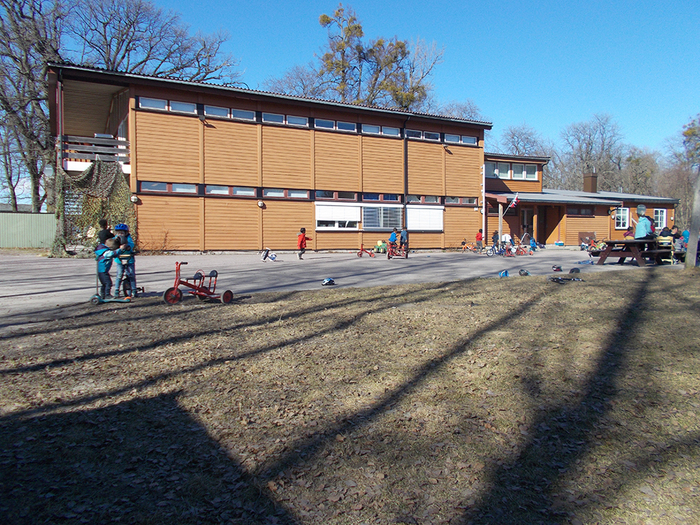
pixel 125 262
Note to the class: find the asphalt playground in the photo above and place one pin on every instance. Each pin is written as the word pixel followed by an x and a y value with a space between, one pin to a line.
pixel 34 287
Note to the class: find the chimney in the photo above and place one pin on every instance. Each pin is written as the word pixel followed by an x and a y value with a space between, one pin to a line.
pixel 590 183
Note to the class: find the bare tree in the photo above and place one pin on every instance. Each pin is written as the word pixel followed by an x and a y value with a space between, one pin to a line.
pixel 594 146
pixel 522 140
pixel 639 171
pixel 467 110
pixel 135 36
pixel 300 81
pixel 30 33
pixel 12 166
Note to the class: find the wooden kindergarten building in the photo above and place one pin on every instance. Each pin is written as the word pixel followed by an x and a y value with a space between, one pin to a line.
pixel 213 167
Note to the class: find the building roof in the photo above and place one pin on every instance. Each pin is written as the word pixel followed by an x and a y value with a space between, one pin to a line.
pixel 126 77
pixel 614 196
pixel 507 156
pixel 552 198
pixel 601 198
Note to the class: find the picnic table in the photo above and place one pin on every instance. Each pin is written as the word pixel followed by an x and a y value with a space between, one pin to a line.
pixel 633 248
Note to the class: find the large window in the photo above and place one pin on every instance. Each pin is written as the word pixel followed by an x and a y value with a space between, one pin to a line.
pixel 490 169
pixel 503 170
pixel 659 218
pixel 381 218
pixel 424 218
pixel 337 217
pixel 622 218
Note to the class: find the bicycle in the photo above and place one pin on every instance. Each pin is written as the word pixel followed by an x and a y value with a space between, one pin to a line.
pixel 505 250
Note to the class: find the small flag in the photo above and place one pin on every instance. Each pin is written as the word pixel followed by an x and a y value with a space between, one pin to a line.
pixel 514 202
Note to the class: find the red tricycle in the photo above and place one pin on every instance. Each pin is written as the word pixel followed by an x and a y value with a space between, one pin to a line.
pixel 362 250
pixel 397 251
pixel 199 288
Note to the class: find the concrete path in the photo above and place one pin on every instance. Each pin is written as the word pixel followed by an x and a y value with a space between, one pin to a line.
pixel 33 285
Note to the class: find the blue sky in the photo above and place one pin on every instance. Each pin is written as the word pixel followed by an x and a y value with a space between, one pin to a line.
pixel 546 64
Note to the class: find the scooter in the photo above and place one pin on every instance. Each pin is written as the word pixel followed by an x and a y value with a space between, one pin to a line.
pixel 97 299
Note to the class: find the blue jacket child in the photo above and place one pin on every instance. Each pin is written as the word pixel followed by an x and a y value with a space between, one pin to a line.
pixel 105 253
pixel 126 262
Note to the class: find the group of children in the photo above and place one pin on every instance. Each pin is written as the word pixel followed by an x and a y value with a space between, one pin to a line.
pixel 121 248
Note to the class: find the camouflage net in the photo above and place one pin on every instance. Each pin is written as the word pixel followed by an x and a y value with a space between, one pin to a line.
pixel 100 192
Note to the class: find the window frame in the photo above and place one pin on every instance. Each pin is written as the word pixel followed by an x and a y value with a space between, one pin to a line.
pixel 209 113
pixel 241 113
pixel 182 111
pixel 658 223
pixel 619 223
pixel 153 107
pixel 471 202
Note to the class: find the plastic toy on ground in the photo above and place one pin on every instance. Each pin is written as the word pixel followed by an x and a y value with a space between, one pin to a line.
pixel 197 287
pixel 328 281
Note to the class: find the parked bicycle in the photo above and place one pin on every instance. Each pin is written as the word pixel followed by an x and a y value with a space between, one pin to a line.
pixel 503 249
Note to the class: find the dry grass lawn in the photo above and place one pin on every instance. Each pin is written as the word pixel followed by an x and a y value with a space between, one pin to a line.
pixel 493 401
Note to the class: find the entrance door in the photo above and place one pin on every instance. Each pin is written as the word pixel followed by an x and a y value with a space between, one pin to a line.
pixel 526 215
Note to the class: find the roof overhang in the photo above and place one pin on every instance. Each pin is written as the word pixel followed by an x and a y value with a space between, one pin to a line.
pixel 65 72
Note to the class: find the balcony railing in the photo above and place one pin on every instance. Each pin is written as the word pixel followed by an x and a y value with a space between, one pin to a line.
pixel 91 148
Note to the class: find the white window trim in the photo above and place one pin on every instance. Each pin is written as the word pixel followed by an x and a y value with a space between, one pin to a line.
pixel 627 218
pixel 664 213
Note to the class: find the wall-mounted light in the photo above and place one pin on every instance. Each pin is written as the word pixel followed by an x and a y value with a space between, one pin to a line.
pixel 261 204
pixel 134 199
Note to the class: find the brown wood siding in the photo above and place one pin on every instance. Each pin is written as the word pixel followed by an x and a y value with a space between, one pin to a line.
pixel 286 158
pixel 98 98
pixel 597 223
pixel 231 224
pixel 230 153
pixel 170 223
pixel 424 240
pixel 461 223
pixel 425 168
pixel 463 172
pixel 522 186
pixel 282 221
pixel 382 165
pixel 167 147
pixel 339 241
pixel 337 159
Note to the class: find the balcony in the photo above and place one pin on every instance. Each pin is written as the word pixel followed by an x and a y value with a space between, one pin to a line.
pixel 76 153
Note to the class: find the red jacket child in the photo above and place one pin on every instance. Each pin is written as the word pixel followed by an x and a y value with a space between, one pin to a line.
pixel 301 242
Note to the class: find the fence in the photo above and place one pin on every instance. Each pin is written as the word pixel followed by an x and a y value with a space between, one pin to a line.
pixel 27 230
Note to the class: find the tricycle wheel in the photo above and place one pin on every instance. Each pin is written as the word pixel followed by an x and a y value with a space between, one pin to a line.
pixel 489 252
pixel 371 254
pixel 359 254
pixel 202 297
pixel 388 255
pixel 95 299
pixel 172 295
pixel 227 297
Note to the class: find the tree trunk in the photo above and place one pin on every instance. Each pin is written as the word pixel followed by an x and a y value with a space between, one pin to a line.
pixel 692 254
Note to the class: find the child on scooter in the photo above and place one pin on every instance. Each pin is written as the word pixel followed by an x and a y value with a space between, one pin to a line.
pixel 104 253
pixel 126 262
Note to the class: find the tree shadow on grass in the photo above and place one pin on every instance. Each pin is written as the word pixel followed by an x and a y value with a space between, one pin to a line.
pixel 522 490
pixel 141 461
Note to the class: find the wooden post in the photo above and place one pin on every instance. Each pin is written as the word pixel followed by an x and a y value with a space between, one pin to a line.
pixel 691 255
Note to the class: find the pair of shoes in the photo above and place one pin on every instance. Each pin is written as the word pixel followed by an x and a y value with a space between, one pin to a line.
pixel 299 256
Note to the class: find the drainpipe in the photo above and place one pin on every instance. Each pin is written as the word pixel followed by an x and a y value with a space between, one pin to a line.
pixel 483 201
pixel 405 173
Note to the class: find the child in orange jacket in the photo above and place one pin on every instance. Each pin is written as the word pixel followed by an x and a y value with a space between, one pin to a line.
pixel 301 242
